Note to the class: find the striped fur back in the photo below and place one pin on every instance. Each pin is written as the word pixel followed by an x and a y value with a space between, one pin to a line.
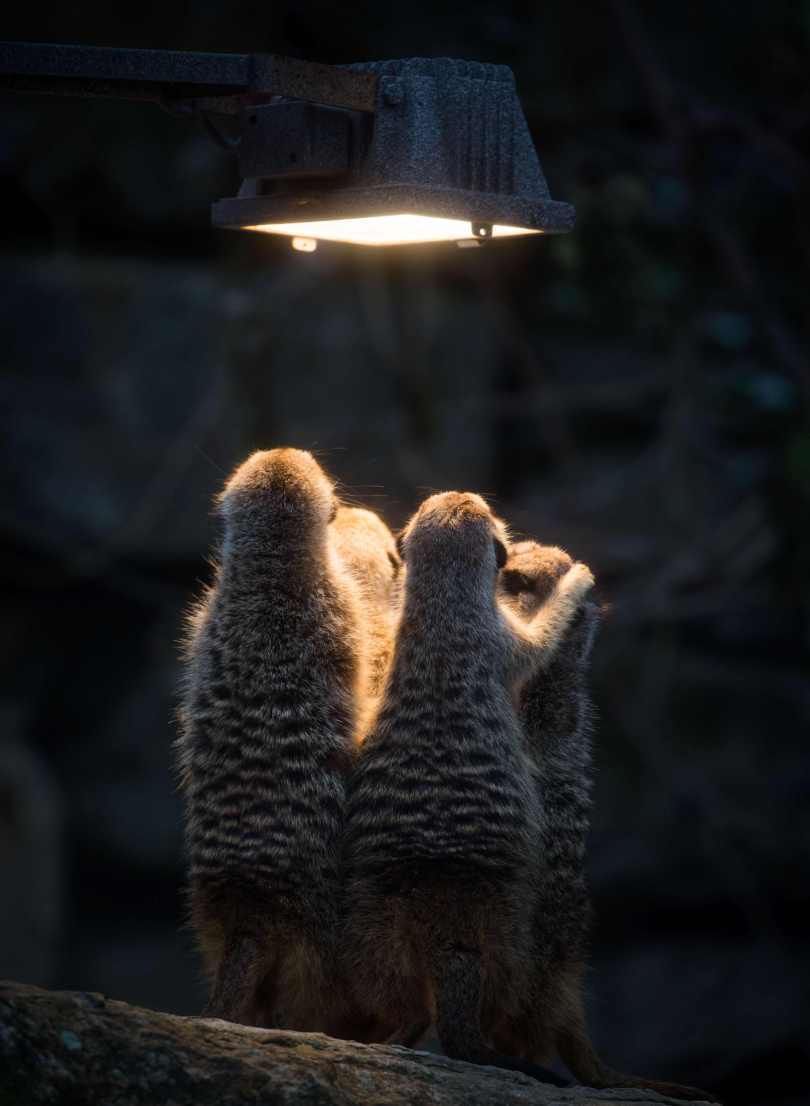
pixel 442 779
pixel 269 714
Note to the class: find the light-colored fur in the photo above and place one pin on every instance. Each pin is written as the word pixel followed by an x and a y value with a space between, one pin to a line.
pixel 369 552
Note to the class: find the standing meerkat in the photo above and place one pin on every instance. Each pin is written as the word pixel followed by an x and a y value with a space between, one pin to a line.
pixel 369 551
pixel 443 824
pixel 274 672
pixel 556 711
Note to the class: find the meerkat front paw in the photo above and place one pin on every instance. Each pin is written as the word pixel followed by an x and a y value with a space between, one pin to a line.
pixel 577 582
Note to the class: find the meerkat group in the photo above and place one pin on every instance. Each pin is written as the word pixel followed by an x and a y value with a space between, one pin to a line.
pixel 384 752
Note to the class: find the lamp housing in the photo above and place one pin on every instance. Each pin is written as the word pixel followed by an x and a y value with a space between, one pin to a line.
pixel 445 155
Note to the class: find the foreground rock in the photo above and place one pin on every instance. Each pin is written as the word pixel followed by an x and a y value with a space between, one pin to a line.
pixel 72 1047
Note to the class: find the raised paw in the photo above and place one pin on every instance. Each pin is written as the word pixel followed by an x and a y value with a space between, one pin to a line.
pixel 577 581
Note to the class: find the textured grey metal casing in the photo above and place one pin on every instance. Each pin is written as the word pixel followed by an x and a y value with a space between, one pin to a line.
pixel 447 138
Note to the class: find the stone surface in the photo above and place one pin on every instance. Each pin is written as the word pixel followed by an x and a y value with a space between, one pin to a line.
pixel 63 1047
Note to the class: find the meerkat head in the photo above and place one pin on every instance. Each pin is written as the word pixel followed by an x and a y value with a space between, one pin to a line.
pixel 285 488
pixel 530 573
pixel 455 530
pixel 368 547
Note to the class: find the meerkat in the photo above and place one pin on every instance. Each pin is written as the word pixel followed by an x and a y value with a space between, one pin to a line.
pixel 368 549
pixel 274 673
pixel 556 712
pixel 443 820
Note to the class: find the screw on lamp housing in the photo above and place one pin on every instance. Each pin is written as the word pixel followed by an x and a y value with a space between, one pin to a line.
pixel 445 156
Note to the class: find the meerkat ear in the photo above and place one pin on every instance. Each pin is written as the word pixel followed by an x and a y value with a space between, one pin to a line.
pixel 501 556
pixel 401 544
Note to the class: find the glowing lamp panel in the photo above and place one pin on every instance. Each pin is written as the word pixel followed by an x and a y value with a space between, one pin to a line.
pixel 386 230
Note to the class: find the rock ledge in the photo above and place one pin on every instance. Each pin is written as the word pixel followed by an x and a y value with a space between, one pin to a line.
pixel 71 1048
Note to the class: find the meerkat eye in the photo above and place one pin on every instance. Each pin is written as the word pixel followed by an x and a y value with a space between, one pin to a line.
pixel 395 563
pixel 500 552
pixel 515 582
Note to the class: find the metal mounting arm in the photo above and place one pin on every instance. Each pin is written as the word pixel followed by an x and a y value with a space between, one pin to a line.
pixel 179 79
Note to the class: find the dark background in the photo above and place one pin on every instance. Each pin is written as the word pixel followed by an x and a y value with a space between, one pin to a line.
pixel 638 392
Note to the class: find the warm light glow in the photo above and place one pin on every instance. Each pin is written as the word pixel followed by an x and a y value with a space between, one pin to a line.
pixel 387 230
pixel 305 245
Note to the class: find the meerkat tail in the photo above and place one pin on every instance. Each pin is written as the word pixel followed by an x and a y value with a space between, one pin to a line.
pixel 581 1058
pixel 456 977
pixel 233 993
pixel 457 985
